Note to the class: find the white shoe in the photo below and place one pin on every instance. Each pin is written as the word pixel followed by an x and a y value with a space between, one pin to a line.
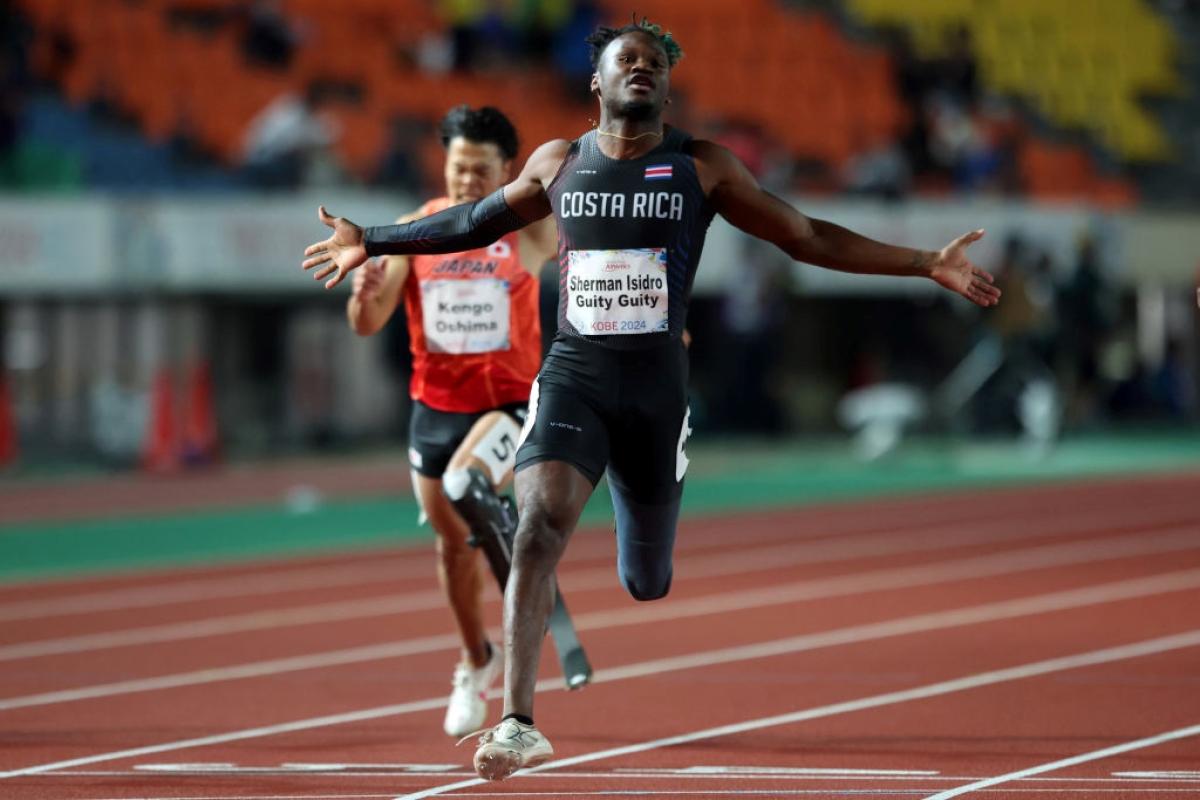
pixel 509 746
pixel 467 710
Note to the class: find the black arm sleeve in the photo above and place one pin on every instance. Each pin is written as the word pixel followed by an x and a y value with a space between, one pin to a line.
pixel 462 227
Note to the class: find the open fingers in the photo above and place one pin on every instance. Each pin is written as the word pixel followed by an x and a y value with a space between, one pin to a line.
pixel 969 238
pixel 336 279
pixel 318 247
pixel 983 294
pixel 987 290
pixel 316 259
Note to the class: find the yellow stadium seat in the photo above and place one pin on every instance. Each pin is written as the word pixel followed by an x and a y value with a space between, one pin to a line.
pixel 1057 55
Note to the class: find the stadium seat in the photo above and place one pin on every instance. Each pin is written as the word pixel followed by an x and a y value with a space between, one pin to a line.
pixel 1060 57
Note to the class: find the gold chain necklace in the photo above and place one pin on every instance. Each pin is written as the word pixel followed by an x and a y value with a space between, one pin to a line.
pixel 629 138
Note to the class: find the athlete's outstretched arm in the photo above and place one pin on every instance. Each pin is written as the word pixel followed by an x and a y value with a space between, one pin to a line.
pixel 377 290
pixel 736 195
pixel 458 228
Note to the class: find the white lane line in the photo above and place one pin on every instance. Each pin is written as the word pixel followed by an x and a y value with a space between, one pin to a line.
pixel 1142 543
pixel 1086 793
pixel 1035 558
pixel 767 793
pixel 269 579
pixel 1105 656
pixel 771 772
pixel 460 771
pixel 359 771
pixel 176 588
pixel 927 532
pixel 224 625
pixel 254 669
pixel 1188 775
pixel 322 796
pixel 1082 758
pixel 892 542
pixel 726 602
pixel 990 612
pixel 208 589
pixel 652 793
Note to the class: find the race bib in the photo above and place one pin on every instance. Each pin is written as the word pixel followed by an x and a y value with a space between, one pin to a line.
pixel 617 291
pixel 465 316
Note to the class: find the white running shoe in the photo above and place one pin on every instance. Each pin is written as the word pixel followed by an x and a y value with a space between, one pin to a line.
pixel 509 746
pixel 467 710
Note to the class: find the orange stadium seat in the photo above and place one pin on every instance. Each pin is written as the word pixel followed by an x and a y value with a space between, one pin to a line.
pixel 794 74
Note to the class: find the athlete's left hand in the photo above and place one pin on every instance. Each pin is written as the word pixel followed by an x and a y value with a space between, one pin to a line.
pixel 339 253
pixel 952 269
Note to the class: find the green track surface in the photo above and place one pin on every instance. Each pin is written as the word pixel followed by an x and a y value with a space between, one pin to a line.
pixel 723 477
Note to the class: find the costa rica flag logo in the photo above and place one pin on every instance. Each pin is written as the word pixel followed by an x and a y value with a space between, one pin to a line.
pixel 658 172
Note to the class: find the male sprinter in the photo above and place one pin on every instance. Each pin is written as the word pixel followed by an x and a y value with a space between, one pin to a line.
pixel 476 346
pixel 633 200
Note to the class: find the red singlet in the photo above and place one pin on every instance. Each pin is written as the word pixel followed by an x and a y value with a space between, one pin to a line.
pixel 474 327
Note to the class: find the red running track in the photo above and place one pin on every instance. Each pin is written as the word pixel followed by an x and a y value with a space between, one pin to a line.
pixel 1036 643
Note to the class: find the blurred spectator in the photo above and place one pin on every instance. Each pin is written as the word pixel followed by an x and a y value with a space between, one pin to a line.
pixel 286 139
pixel 955 75
pixel 486 34
pixel 462 17
pixel 1042 290
pixel 536 23
pixel 1015 323
pixel 1023 318
pixel 400 167
pixel 878 168
pixel 494 41
pixel 10 123
pixel 753 311
pixel 571 60
pixel 53 54
pixel 436 53
pixel 267 40
pixel 15 36
pixel 1088 311
pixel 946 140
pixel 1005 133
pixel 912 85
pixel 960 147
pixel 911 74
pixel 480 32
pixel 1172 384
pixel 183 145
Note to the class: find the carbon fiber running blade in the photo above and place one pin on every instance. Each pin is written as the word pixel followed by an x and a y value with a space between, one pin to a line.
pixel 576 670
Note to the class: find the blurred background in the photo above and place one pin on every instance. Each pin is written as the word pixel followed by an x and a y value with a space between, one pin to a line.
pixel 161 162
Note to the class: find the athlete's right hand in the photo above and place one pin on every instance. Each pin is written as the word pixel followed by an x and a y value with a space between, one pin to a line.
pixel 339 253
pixel 368 280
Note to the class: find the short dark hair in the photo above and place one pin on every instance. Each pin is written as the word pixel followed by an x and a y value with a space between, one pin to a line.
pixel 482 125
pixel 602 37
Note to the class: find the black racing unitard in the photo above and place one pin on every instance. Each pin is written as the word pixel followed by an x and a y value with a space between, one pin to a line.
pixel 630 234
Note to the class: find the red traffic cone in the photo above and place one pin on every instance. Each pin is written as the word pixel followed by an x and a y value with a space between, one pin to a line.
pixel 200 440
pixel 8 427
pixel 161 452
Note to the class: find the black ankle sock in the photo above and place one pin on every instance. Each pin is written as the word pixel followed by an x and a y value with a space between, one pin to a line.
pixel 521 718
